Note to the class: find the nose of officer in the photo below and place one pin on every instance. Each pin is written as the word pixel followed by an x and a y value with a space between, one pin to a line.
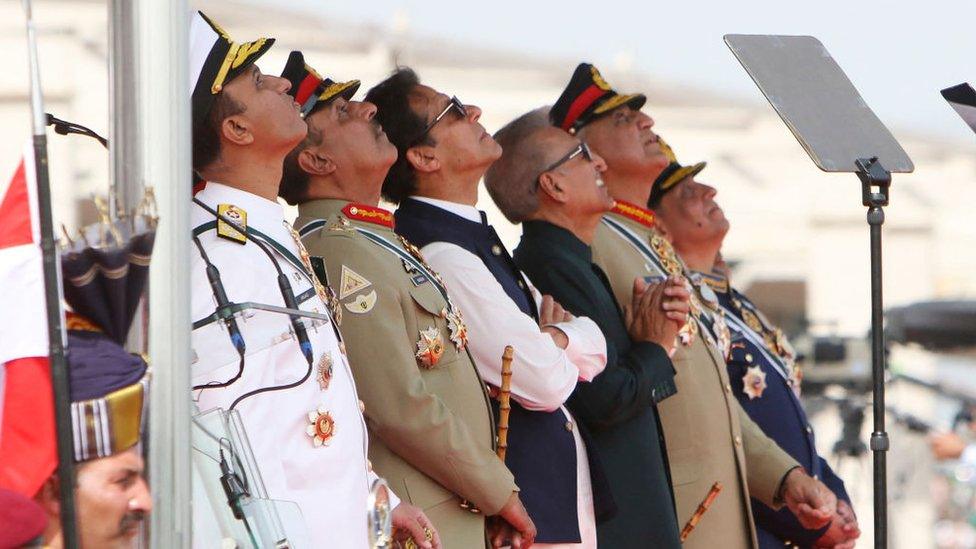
pixel 599 164
pixel 644 122
pixel 474 112
pixel 280 84
pixel 364 108
pixel 708 191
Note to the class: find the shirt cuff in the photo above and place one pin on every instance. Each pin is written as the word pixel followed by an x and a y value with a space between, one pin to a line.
pixel 587 348
pixel 662 370
pixel 394 499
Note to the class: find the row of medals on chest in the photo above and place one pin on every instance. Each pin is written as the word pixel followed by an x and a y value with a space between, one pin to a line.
pixel 720 337
pixel 430 346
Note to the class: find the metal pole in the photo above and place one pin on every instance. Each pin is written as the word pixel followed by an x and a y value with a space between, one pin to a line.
pixel 52 291
pixel 164 107
pixel 879 438
pixel 125 154
pixel 875 181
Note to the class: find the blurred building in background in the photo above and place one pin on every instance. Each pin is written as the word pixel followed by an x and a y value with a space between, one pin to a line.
pixel 799 240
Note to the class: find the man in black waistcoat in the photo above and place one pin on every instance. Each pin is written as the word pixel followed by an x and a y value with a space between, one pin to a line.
pixel 549 181
pixel 443 153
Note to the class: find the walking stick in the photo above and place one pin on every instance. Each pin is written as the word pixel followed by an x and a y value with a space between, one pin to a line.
pixel 702 507
pixel 504 400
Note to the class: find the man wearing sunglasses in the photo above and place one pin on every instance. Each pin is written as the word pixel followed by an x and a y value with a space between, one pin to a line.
pixel 550 182
pixel 443 153
pixel 710 439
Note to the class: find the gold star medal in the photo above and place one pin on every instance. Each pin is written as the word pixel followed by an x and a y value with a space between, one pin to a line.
pixel 324 375
pixel 459 330
pixel 754 382
pixel 430 347
pixel 321 427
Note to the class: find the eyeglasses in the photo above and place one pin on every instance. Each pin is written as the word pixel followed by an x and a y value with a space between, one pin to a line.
pixel 455 104
pixel 581 149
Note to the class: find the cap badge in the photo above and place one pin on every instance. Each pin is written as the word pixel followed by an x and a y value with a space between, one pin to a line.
pixel 598 79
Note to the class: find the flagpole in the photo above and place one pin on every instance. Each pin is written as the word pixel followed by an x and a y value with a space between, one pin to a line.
pixel 52 291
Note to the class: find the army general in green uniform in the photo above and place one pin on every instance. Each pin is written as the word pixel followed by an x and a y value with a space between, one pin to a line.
pixel 427 409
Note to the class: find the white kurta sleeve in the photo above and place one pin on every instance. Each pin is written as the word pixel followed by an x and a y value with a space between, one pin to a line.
pixel 543 376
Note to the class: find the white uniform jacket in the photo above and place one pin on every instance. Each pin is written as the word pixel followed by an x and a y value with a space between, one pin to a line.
pixel 328 479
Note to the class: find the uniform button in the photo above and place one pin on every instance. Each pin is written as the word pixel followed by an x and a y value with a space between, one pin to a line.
pixel 809 430
pixel 496 249
pixel 738 440
pixel 369 466
pixel 362 406
pixel 521 284
pixel 569 425
pixel 728 388
pixel 748 357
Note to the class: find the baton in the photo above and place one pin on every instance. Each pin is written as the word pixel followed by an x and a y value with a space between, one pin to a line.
pixel 702 507
pixel 504 400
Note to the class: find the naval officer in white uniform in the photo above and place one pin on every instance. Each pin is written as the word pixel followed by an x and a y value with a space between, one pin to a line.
pixel 294 392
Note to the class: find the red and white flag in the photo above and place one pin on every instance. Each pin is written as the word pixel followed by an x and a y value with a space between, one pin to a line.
pixel 28 448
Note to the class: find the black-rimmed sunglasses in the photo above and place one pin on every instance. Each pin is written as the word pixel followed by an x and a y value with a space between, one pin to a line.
pixel 455 104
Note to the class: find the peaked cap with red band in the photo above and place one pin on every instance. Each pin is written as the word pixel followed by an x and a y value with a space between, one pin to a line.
pixel 588 97
pixel 672 175
pixel 309 88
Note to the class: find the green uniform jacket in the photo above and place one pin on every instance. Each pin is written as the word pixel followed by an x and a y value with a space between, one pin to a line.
pixel 431 432
pixel 619 404
pixel 710 437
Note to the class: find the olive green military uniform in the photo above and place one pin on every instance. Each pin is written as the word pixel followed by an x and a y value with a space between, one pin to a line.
pixel 430 423
pixel 709 437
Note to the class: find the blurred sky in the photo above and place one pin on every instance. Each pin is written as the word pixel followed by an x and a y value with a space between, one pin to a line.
pixel 898 53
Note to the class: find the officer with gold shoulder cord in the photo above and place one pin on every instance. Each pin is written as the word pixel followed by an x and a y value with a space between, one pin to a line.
pixel 709 437
pixel 288 378
pixel 426 407
pixel 761 365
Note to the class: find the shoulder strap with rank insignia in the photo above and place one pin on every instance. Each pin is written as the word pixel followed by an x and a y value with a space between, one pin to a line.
pixel 234 232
